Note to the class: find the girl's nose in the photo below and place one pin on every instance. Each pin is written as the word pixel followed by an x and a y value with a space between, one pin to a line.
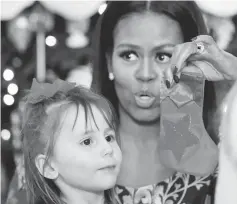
pixel 107 149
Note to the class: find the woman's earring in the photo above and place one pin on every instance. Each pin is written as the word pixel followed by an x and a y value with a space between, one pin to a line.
pixel 111 76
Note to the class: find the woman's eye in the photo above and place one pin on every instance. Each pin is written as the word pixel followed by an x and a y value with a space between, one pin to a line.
pixel 163 57
pixel 87 142
pixel 129 55
pixel 110 138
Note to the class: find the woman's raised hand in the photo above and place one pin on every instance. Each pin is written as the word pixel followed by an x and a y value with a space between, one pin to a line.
pixel 202 54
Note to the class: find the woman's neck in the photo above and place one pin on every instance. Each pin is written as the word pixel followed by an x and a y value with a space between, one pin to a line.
pixel 140 147
pixel 75 196
pixel 138 132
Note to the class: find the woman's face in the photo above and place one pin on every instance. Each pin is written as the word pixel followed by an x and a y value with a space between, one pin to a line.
pixel 143 46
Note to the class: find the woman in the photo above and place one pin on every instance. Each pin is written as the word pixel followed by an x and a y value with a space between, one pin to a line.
pixel 137 42
pixel 141 45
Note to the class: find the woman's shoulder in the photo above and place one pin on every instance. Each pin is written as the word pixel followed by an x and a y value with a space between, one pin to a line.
pixel 180 188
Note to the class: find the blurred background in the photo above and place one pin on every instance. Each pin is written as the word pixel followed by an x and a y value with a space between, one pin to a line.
pixel 52 39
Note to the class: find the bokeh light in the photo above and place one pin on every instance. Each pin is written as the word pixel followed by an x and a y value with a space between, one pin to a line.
pixel 51 41
pixel 102 8
pixel 8 74
pixel 5 134
pixel 22 22
pixel 8 99
pixel 16 62
pixel 12 89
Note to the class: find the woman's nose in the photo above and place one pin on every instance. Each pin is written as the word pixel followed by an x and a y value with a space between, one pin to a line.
pixel 146 71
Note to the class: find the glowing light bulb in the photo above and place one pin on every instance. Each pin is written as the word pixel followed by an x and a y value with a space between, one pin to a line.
pixel 5 134
pixel 8 99
pixel 8 74
pixel 51 41
pixel 12 89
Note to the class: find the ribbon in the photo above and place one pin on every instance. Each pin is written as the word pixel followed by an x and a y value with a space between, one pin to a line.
pixel 42 91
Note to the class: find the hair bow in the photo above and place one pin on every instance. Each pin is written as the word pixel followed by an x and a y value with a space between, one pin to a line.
pixel 42 91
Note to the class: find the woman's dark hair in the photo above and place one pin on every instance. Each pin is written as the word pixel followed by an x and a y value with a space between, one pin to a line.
pixel 186 13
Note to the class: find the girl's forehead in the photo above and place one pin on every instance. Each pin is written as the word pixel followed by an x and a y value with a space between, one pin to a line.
pixel 77 119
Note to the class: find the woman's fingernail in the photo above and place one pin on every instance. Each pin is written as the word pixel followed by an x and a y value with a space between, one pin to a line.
pixel 175 70
pixel 176 79
pixel 167 83
pixel 195 38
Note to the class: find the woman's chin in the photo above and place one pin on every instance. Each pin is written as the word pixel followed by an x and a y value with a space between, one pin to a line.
pixel 139 114
pixel 146 115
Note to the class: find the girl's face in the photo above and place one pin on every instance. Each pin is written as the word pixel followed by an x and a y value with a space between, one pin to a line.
pixel 143 46
pixel 86 158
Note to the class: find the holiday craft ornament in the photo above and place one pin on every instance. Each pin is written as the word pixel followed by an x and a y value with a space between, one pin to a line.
pixel 184 142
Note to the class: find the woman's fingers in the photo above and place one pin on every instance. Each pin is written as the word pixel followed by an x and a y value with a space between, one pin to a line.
pixel 223 62
pixel 206 56
pixel 180 57
pixel 203 52
pixel 179 61
pixel 168 77
pixel 176 75
pixel 211 52
pixel 207 39
pixel 208 70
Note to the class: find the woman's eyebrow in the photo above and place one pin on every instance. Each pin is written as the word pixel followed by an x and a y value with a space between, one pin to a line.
pixel 163 46
pixel 130 45
pixel 126 45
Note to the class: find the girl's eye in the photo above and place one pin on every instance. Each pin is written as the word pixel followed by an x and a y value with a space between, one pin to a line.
pixel 87 142
pixel 110 138
pixel 129 55
pixel 163 57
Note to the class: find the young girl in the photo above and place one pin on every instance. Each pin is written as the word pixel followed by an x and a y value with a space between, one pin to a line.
pixel 69 141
